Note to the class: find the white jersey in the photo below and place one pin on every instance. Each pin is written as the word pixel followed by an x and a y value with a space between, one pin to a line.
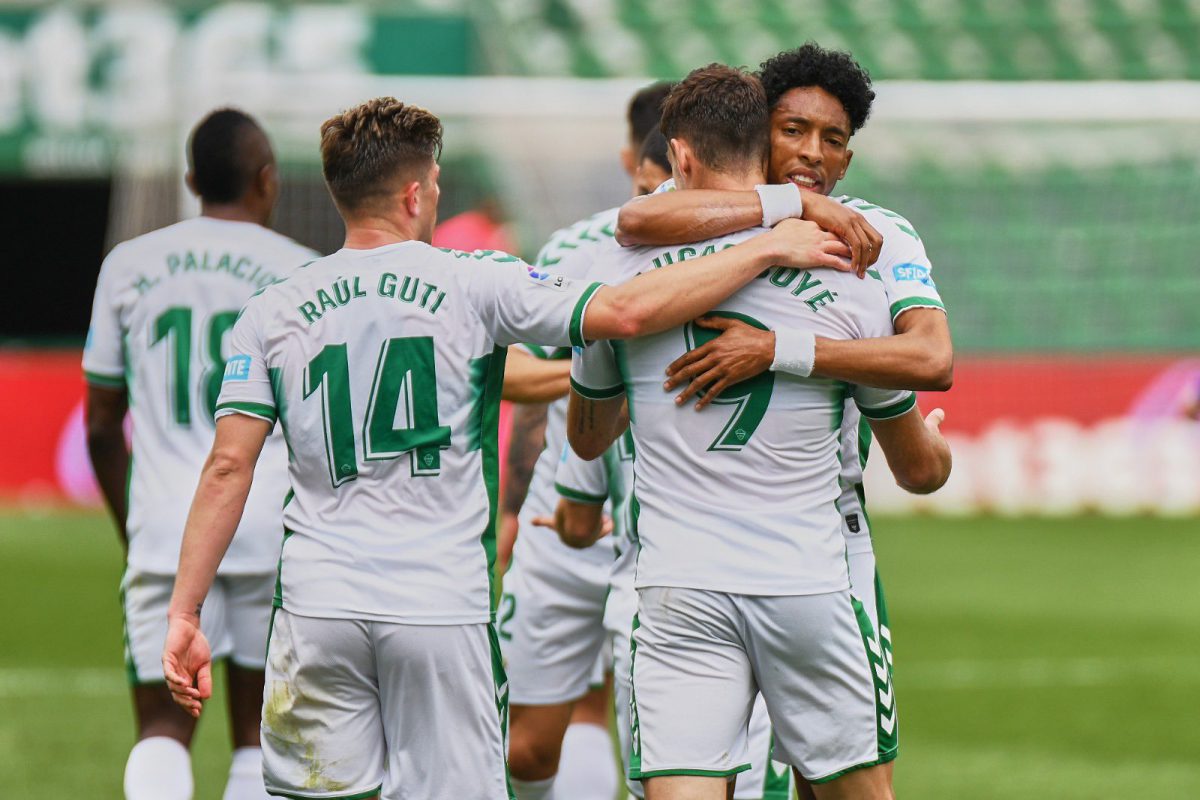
pixel 164 305
pixel 742 497
pixel 385 367
pixel 570 252
pixel 907 278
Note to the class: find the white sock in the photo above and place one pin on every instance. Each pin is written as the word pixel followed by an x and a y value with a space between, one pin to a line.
pixel 533 790
pixel 159 768
pixel 586 769
pixel 246 776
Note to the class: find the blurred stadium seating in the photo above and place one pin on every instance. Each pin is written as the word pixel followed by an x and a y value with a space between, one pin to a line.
pixel 1048 154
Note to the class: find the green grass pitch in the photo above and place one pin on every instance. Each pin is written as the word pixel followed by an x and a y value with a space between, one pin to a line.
pixel 1056 660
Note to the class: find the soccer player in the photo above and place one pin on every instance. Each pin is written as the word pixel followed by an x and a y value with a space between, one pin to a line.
pixel 819 99
pixel 741 573
pixel 164 305
pixel 383 364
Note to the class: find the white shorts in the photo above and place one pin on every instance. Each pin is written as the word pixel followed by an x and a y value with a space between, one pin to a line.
pixel 766 780
pixel 354 707
pixel 237 613
pixel 700 657
pixel 551 626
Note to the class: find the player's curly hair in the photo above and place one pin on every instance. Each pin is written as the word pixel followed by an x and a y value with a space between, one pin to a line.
pixel 722 112
pixel 832 70
pixel 369 151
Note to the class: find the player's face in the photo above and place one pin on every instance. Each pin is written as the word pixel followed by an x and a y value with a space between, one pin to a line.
pixel 648 176
pixel 810 136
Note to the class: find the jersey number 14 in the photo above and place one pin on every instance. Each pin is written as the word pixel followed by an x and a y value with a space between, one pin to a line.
pixel 404 369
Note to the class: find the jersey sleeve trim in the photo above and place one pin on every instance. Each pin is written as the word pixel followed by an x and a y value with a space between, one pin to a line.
pixel 258 410
pixel 105 381
pixel 578 496
pixel 901 306
pixel 575 331
pixel 596 394
pixel 892 411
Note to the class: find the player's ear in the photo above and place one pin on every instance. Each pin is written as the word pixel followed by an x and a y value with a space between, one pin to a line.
pixel 846 164
pixel 412 198
pixel 627 161
pixel 190 180
pixel 681 156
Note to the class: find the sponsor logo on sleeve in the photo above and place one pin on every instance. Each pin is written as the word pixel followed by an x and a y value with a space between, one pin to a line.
pixel 546 278
pixel 237 368
pixel 912 272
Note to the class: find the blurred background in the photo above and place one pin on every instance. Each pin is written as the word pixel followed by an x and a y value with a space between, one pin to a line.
pixel 1046 609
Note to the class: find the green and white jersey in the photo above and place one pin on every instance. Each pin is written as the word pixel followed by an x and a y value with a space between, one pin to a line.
pixel 161 316
pixel 384 368
pixel 907 278
pixel 570 252
pixel 741 498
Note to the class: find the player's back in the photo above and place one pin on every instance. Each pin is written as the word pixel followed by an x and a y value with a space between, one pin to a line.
pixel 165 302
pixel 741 497
pixel 385 367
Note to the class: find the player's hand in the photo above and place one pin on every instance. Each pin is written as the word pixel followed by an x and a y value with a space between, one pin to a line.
pixel 864 241
pixel 187 664
pixel 740 352
pixel 606 524
pixel 804 245
pixel 933 423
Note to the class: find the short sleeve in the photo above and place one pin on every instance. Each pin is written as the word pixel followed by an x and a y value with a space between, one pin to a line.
pixel 905 269
pixel 246 387
pixel 579 480
pixel 594 372
pixel 520 303
pixel 883 403
pixel 104 352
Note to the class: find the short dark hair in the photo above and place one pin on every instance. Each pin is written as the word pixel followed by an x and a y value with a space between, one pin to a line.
pixel 834 71
pixel 722 112
pixel 654 148
pixel 645 110
pixel 222 166
pixel 368 150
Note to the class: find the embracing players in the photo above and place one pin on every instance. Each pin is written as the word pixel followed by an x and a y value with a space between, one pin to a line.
pixel 818 99
pixel 741 575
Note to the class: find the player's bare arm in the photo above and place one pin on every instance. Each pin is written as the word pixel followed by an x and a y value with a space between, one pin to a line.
pixel 696 214
pixel 213 519
pixel 579 525
pixel 593 425
pixel 665 298
pixel 107 449
pixel 920 357
pixel 534 380
pixel 525 444
pixel 916 451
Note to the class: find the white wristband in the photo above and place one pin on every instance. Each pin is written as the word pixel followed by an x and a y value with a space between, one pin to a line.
pixel 795 352
pixel 779 203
